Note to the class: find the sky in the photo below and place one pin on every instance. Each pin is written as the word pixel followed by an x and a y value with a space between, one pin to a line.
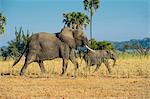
pixel 115 20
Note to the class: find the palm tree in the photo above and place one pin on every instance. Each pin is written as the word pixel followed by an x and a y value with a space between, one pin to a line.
pixel 82 20
pixel 90 6
pixel 76 20
pixel 2 23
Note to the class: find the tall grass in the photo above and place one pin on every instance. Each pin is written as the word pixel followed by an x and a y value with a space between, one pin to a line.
pixel 133 55
pixel 127 65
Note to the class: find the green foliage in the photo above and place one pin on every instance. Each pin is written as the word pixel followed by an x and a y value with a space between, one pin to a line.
pixel 105 45
pixel 17 46
pixel 94 44
pixel 4 52
pixel 126 47
pixel 101 45
pixel 91 5
pixel 2 23
pixel 76 20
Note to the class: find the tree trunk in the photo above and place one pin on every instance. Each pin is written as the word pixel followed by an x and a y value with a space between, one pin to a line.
pixel 91 36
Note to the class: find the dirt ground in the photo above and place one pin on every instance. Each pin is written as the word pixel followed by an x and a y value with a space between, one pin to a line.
pixel 15 87
pixel 130 79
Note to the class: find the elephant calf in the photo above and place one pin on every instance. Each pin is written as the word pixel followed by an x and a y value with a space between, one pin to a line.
pixel 98 57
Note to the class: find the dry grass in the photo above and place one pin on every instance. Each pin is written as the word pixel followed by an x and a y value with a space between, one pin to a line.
pixel 126 68
pixel 130 78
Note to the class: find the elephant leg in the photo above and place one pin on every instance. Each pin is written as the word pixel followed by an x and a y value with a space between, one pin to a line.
pixel 97 67
pixel 65 64
pixel 23 68
pixel 64 52
pixel 107 65
pixel 5 58
pixel 42 66
pixel 29 59
pixel 88 65
pixel 99 64
pixel 73 59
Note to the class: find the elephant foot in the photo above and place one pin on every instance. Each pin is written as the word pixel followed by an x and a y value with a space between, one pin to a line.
pixel 21 73
pixel 62 74
pixel 94 71
pixel 75 76
pixel 44 72
pixel 110 72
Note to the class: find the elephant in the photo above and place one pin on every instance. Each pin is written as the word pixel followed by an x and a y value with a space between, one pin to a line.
pixel 45 46
pixel 98 57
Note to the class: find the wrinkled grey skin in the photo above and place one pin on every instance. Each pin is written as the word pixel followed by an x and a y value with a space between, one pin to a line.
pixel 99 57
pixel 44 46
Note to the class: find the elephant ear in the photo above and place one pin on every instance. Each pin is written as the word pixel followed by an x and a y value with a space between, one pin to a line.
pixel 77 34
pixel 66 35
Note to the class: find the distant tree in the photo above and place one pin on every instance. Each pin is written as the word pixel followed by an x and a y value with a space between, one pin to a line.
pixel 17 46
pixel 4 52
pixel 2 23
pixel 102 45
pixel 126 47
pixel 75 20
pixel 105 45
pixel 91 6
pixel 132 44
pixel 94 44
pixel 140 49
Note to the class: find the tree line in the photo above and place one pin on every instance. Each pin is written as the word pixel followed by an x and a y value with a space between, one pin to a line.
pixel 141 46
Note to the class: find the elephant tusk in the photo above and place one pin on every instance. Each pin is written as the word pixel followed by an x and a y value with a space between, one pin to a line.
pixel 90 49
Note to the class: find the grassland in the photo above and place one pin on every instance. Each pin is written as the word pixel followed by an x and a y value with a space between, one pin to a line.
pixel 130 78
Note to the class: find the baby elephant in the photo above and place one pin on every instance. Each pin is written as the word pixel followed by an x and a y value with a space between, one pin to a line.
pixel 98 57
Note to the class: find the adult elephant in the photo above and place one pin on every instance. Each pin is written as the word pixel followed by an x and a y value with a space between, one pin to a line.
pixel 44 46
pixel 98 57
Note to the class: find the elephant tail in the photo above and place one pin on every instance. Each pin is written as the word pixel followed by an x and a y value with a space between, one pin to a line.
pixel 16 61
